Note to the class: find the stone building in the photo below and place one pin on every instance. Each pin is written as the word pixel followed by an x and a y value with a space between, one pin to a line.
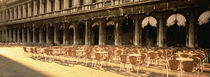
pixel 162 23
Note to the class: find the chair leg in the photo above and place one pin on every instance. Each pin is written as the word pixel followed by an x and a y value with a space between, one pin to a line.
pixel 138 69
pixel 120 67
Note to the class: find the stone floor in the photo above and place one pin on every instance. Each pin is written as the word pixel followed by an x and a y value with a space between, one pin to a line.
pixel 15 63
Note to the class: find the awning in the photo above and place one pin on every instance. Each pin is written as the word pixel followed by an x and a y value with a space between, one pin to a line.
pixel 176 18
pixel 149 20
pixel 204 18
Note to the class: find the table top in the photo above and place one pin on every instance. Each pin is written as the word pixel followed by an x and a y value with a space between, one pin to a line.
pixel 101 52
pixel 184 59
pixel 134 55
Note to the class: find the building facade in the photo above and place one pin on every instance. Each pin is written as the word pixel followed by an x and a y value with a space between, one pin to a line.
pixel 159 23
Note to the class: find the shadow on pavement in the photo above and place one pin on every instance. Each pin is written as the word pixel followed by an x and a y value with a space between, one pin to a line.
pixel 11 68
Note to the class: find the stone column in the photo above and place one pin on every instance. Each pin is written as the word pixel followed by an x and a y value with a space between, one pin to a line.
pixel 14 35
pixel 87 33
pixel 136 37
pixel 101 33
pixel 10 11
pixel 49 6
pixel 41 10
pixel 191 31
pixel 117 34
pixel 41 35
pixel 19 12
pixel 57 5
pixel 15 13
pixel 24 10
pixel 35 7
pixel 56 37
pixel 66 4
pixel 7 35
pixel 65 36
pixel 75 3
pixel 76 38
pixel 34 35
pixel 29 9
pixel 160 39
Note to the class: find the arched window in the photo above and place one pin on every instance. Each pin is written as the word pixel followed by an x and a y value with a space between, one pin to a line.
pixel 149 32
pixel 176 30
pixel 110 33
pixel 127 31
pixel 70 3
pixel 204 30
pixel 95 33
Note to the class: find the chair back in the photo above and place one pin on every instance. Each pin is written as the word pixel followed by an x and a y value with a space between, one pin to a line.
pixel 123 58
pixel 188 66
pixel 174 64
pixel 133 59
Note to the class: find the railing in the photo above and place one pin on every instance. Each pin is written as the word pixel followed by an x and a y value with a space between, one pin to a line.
pixel 89 7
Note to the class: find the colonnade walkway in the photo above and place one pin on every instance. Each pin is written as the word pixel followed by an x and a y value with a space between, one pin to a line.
pixel 15 63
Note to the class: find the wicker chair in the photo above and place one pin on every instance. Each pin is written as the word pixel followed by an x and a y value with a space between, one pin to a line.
pixel 123 61
pixel 173 65
pixel 134 62
pixel 190 66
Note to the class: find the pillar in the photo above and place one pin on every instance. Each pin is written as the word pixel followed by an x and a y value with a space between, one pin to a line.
pixel 15 13
pixel 56 37
pixel 191 31
pixel 10 11
pixel 10 35
pixel 75 3
pixel 7 35
pixel 49 6
pixel 14 35
pixel 101 33
pixel 41 39
pixel 24 10
pixel 136 37
pixel 57 5
pixel 66 4
pixel 29 9
pixel 87 33
pixel 41 10
pixel 160 39
pixel 76 37
pixel 34 35
pixel 19 12
pixel 117 34
pixel 35 7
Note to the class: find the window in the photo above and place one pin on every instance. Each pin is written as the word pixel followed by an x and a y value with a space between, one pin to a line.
pixel 70 3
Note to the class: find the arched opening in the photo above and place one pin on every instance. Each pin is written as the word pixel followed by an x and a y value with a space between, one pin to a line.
pixel 149 31
pixel 81 32
pixel 127 31
pixel 204 30
pixel 110 33
pixel 176 30
pixel 37 35
pixel 71 34
pixel 81 2
pixel 95 33
pixel 44 34
pixel 60 35
pixel 20 35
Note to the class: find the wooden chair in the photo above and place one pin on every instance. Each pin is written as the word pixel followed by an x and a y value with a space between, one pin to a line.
pixel 124 61
pixel 173 65
pixel 190 66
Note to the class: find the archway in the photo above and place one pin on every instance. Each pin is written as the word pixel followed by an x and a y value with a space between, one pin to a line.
pixel 176 30
pixel 60 35
pixel 95 33
pixel 110 33
pixel 127 31
pixel 81 32
pixel 204 30
pixel 149 31
pixel 71 34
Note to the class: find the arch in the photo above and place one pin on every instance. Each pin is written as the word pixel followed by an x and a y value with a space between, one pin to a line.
pixel 70 32
pixel 149 20
pixel 81 33
pixel 177 18
pixel 204 17
pixel 95 24
pixel 127 31
pixel 110 32
pixel 95 33
pixel 110 23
